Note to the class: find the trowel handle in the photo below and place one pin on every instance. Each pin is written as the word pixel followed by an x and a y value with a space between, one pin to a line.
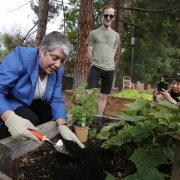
pixel 40 136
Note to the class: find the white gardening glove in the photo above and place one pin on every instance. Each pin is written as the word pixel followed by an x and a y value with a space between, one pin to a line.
pixel 67 134
pixel 19 127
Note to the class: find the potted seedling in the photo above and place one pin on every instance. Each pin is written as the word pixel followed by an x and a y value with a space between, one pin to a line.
pixel 84 110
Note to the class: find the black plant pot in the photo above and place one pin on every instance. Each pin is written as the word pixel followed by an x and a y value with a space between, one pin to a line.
pixel 162 85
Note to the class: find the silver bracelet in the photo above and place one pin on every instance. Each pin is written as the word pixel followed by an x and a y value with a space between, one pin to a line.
pixel 173 102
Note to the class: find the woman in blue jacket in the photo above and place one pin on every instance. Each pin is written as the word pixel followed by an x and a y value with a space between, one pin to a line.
pixel 31 89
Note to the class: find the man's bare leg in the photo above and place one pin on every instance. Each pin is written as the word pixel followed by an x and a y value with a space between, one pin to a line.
pixel 102 103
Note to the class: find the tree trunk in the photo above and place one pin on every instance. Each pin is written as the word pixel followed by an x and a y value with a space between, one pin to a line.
pixel 85 26
pixel 42 20
pixel 114 23
pixel 132 18
pixel 119 29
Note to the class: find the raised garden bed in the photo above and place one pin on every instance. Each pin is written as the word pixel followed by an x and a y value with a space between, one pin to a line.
pixel 51 165
pixel 44 162
pixel 115 105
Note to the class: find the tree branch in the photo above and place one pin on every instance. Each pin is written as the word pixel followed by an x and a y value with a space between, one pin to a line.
pixel 136 26
pixel 18 7
pixel 63 2
pixel 27 34
pixel 146 10
pixel 171 6
pixel 30 31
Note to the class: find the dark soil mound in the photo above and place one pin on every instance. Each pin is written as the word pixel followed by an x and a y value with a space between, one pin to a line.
pixel 91 163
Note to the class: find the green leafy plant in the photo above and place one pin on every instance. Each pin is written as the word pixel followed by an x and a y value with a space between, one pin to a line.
pixel 85 100
pixel 92 133
pixel 144 137
pixel 134 94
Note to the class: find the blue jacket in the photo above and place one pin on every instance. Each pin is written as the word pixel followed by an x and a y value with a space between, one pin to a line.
pixel 18 78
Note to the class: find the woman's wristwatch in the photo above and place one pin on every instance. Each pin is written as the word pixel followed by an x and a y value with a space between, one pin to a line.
pixel 174 102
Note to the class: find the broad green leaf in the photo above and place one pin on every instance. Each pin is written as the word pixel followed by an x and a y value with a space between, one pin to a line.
pixel 118 140
pixel 109 177
pixel 134 118
pixel 173 126
pixel 169 152
pixel 168 105
pixel 110 126
pixel 139 103
pixel 177 163
pixel 129 112
pixel 140 128
pixel 129 169
pixel 162 114
pixel 152 123
pixel 163 122
pixel 148 174
pixel 144 161
pixel 138 138
pixel 155 108
pixel 175 119
pixel 143 127
pixel 148 105
pixel 125 131
pixel 103 135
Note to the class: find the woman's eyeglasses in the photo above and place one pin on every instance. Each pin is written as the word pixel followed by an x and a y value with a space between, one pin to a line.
pixel 110 15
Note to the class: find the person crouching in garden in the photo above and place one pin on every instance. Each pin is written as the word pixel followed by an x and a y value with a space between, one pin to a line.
pixel 170 94
pixel 31 89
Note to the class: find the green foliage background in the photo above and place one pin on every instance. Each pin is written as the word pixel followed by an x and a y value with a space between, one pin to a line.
pixel 157 50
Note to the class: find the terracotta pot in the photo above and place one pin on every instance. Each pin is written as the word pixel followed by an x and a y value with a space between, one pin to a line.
pixel 148 87
pixel 81 133
pixel 141 87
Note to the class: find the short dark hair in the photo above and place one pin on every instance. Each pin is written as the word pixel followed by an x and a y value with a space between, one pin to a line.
pixel 173 94
pixel 177 78
pixel 109 6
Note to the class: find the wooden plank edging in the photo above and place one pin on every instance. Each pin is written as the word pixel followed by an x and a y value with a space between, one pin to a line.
pixel 19 147
pixel 4 176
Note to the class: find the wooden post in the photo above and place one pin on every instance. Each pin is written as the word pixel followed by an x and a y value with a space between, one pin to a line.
pixel 175 173
pixel 5 159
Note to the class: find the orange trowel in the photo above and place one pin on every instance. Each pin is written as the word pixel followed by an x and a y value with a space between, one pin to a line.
pixel 43 138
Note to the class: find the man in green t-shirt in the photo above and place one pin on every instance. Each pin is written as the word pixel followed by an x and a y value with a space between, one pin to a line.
pixel 102 45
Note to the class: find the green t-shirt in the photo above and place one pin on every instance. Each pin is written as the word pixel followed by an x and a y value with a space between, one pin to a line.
pixel 104 42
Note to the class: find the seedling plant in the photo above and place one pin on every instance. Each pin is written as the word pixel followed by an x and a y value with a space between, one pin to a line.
pixel 92 133
pixel 85 100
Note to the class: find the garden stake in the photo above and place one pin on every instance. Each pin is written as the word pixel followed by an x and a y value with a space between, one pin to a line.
pixel 43 138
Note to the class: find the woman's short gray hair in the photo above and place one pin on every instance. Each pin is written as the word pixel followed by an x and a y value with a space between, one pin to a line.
pixel 56 39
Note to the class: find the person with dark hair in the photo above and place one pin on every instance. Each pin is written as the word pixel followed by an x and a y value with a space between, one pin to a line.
pixel 31 89
pixel 102 46
pixel 170 94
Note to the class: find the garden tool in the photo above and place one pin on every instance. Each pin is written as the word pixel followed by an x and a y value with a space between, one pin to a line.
pixel 43 138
